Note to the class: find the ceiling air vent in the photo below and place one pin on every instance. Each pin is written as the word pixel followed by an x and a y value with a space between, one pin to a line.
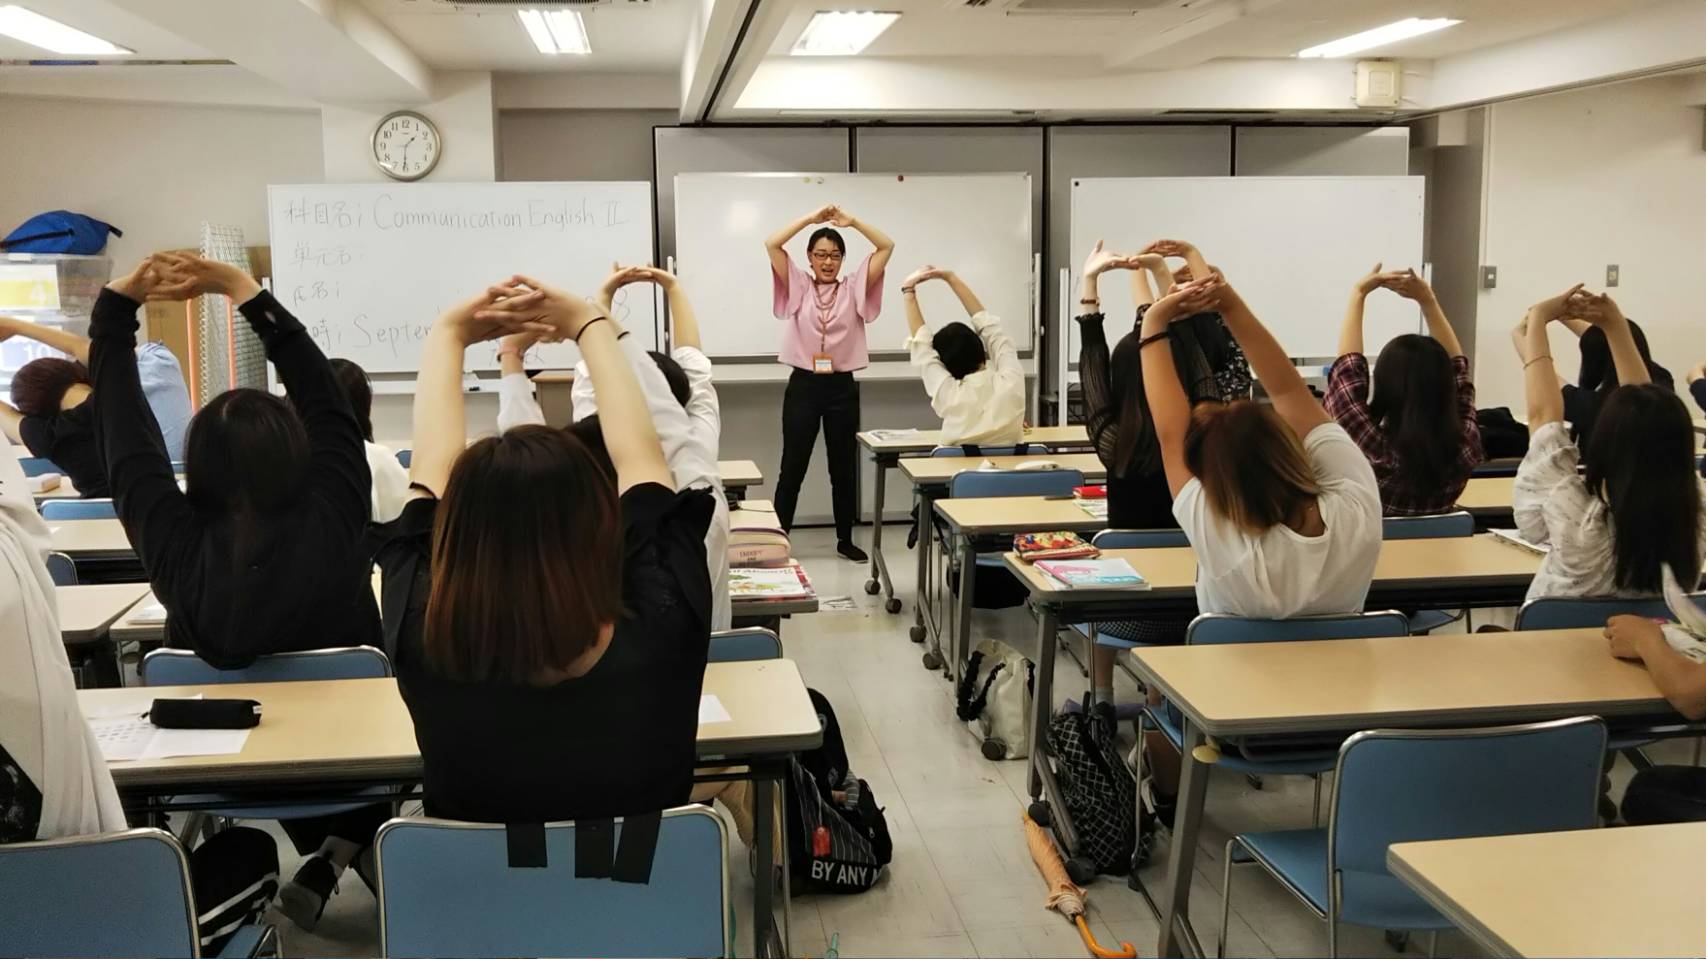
pixel 1077 8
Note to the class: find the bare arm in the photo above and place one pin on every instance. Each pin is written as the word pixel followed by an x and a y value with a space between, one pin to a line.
pixel 914 313
pixel 1350 333
pixel 968 299
pixel 1412 287
pixel 61 340
pixel 1602 311
pixel 1680 679
pixel 624 418
pixel 11 423
pixel 777 241
pixel 1169 407
pixel 1284 385
pixel 683 322
pixel 1141 292
pixel 1156 265
pixel 511 351
pixel 879 239
pixel 1540 377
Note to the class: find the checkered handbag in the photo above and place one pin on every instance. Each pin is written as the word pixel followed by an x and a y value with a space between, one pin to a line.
pixel 1097 787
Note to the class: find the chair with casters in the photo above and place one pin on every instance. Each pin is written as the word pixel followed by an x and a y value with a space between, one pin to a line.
pixel 64 509
pixel 1311 758
pixel 61 569
pixel 744 645
pixel 111 894
pixel 182 667
pixel 1394 786
pixel 1435 526
pixel 37 465
pixel 447 888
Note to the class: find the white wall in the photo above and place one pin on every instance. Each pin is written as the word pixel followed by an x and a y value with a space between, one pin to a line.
pixel 1577 181
pixel 463 113
pixel 154 171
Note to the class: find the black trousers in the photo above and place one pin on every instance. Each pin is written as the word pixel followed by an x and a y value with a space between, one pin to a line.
pixel 833 400
pixel 233 877
pixel 1666 794
pixel 358 826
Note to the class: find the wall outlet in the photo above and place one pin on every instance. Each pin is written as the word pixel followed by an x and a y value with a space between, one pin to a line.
pixel 1489 277
pixel 1611 274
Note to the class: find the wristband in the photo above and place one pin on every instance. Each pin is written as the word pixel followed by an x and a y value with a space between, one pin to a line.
pixel 1096 302
pixel 909 291
pixel 1537 359
pixel 588 326
pixel 1164 334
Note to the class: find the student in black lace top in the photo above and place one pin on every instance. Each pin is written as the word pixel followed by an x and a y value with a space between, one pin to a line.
pixel 550 628
pixel 262 553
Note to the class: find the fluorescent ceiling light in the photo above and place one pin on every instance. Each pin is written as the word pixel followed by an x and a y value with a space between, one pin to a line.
pixel 1378 37
pixel 841 33
pixel 556 31
pixel 39 31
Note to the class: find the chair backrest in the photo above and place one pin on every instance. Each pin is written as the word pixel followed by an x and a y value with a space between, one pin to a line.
pixel 114 894
pixel 405 457
pixel 61 569
pixel 1558 612
pixel 37 465
pixel 1218 628
pixel 446 888
pixel 973 449
pixel 1139 538
pixel 78 509
pixel 1015 483
pixel 743 645
pixel 1396 786
pixel 1435 526
pixel 182 667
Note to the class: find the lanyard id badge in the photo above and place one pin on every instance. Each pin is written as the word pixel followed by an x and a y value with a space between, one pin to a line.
pixel 821 363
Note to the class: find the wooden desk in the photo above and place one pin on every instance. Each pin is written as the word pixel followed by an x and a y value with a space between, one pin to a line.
pixel 1488 498
pixel 737 475
pixel 941 470
pixel 1341 686
pixel 85 612
pixel 886 453
pixel 1631 891
pixel 90 539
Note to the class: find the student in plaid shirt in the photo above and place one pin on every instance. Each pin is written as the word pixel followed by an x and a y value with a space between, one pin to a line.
pixel 1419 429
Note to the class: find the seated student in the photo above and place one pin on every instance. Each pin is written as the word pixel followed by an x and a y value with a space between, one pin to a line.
pixel 262 553
pixel 1697 388
pixel 1637 507
pixel 1675 655
pixel 692 455
pixel 1117 415
pixel 1598 375
pixel 53 781
pixel 52 413
pixel 1419 430
pixel 1280 506
pixel 551 627
pixel 390 479
pixel 978 404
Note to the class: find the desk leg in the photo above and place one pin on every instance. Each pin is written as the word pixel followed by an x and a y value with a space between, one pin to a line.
pixel 1177 936
pixel 763 818
pixel 961 647
pixel 923 590
pixel 880 580
pixel 1042 696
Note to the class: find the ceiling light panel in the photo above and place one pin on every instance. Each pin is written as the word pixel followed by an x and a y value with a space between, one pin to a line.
pixel 841 33
pixel 556 31
pixel 1378 37
pixel 21 23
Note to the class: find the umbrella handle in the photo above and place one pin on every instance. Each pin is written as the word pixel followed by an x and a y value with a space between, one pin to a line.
pixel 1127 950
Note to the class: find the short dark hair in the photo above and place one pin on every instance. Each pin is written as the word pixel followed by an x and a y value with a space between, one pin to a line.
pixel 830 234
pixel 1640 462
pixel 961 349
pixel 39 386
pixel 526 559
pixel 246 452
pixel 360 390
pixel 674 375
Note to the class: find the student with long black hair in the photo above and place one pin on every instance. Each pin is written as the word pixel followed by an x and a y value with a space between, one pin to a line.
pixel 1598 374
pixel 261 552
pixel 1418 429
pixel 1637 507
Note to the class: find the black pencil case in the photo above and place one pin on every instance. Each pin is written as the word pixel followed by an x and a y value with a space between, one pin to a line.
pixel 205 713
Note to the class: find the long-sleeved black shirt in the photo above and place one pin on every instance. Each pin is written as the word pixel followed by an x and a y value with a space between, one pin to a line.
pixel 302 582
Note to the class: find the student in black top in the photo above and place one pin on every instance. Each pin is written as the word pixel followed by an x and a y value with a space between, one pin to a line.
pixel 1597 376
pixel 550 628
pixel 1116 411
pixel 262 554
pixel 51 412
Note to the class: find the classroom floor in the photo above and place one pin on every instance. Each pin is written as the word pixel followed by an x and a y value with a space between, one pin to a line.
pixel 962 882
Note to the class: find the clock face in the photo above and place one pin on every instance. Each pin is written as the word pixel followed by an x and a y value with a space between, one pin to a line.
pixel 406 145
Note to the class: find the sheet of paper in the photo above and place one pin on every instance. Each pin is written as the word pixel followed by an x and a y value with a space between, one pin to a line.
pixel 122 738
pixel 168 743
pixel 151 613
pixel 711 710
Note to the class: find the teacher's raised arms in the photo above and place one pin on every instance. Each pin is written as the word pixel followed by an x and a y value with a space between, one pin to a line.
pixel 825 313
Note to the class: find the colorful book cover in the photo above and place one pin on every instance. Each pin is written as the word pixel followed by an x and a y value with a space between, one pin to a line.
pixel 1053 545
pixel 1094 574
pixel 781 582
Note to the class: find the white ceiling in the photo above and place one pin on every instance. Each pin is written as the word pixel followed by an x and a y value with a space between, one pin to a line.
pixel 626 36
pixel 109 22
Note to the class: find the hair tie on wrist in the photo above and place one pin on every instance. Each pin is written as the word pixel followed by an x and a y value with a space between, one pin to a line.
pixel 1537 359
pixel 589 325
pixel 909 289
pixel 1145 341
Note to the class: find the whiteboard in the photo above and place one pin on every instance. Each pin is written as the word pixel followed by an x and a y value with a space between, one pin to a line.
pixel 369 267
pixel 1293 247
pixel 978 225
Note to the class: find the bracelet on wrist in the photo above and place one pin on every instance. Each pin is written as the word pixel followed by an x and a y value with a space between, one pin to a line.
pixel 1544 356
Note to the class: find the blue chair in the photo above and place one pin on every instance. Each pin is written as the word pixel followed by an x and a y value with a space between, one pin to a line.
pixel 182 667
pixel 405 457
pixel 37 465
pixel 973 449
pixel 61 569
pixel 1128 539
pixel 1435 526
pixel 115 894
pixel 447 889
pixel 1395 786
pixel 1276 759
pixel 60 509
pixel 744 645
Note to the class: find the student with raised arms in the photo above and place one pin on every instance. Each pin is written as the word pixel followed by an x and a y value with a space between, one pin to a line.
pixel 1418 429
pixel 971 370
pixel 824 317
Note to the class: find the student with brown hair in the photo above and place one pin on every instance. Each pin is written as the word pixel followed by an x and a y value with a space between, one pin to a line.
pixel 550 628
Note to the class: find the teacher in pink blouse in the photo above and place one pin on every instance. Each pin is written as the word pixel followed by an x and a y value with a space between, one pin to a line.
pixel 823 338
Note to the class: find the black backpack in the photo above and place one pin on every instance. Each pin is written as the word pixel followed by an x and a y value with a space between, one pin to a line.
pixel 1097 787
pixel 838 840
pixel 1502 437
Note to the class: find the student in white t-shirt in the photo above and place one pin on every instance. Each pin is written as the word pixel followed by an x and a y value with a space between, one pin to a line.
pixel 971 371
pixel 1278 502
pixel 390 480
